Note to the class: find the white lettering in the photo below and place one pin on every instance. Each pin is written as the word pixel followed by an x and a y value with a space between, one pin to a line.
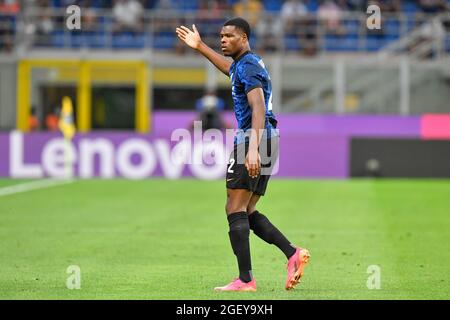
pixel 58 158
pixel 171 164
pixel 74 280
pixel 208 172
pixel 74 20
pixel 184 136
pixel 133 158
pixel 18 169
pixel 374 21
pixel 147 162
pixel 374 280
pixel 105 150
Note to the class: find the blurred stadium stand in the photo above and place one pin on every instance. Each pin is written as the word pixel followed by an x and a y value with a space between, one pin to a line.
pixel 42 24
pixel 318 64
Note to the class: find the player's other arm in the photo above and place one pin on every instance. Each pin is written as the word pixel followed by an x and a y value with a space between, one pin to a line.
pixel 193 40
pixel 256 101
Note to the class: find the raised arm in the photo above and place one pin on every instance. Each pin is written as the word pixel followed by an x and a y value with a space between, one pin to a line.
pixel 193 40
pixel 256 101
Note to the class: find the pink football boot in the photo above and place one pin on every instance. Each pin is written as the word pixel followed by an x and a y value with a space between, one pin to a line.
pixel 238 285
pixel 295 267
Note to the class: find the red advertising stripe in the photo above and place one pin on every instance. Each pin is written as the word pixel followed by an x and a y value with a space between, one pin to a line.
pixel 435 126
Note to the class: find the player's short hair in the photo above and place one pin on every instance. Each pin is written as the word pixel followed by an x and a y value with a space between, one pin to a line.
pixel 239 23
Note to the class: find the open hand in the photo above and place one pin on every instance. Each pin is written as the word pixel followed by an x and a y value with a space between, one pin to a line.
pixel 191 38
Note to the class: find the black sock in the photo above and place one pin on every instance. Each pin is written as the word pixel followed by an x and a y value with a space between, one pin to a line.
pixel 239 237
pixel 264 229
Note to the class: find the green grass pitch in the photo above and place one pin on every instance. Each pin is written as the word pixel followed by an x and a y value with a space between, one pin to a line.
pixel 161 239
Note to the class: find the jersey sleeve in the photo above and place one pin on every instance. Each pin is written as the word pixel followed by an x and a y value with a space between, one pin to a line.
pixel 250 76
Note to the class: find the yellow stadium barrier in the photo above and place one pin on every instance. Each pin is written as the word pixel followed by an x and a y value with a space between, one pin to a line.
pixel 84 73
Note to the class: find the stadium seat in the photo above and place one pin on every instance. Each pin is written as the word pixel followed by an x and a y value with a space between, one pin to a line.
pixel 391 27
pixel 375 44
pixel 56 3
pixel 97 4
pixel 164 40
pixel 336 43
pixel 126 40
pixel 88 39
pixel 409 7
pixel 77 40
pixel 97 40
pixel 188 5
pixel 58 39
pixel 291 43
pixel 392 37
pixel 312 5
pixel 273 5
pixel 352 26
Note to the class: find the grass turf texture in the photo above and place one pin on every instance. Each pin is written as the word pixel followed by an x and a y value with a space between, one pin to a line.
pixel 160 239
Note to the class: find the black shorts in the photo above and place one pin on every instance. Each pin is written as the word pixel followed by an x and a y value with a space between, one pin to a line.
pixel 237 175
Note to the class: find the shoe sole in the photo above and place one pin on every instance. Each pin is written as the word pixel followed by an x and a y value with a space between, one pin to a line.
pixel 304 259
pixel 241 290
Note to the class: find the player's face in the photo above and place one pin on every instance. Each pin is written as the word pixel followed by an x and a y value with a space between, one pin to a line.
pixel 232 40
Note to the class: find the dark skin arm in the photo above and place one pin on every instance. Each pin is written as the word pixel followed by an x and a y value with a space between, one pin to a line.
pixel 257 104
pixel 193 40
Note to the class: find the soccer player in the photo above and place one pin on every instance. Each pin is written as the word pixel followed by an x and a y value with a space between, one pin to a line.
pixel 246 178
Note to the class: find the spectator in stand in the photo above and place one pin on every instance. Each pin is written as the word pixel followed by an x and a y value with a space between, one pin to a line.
pixel 52 120
pixel 163 5
pixel 9 7
pixel 250 10
pixel 361 5
pixel 269 32
pixel 298 23
pixel 330 14
pixel 389 5
pixel 210 19
pixel 165 16
pixel 149 4
pixel 292 13
pixel 45 23
pixel 210 10
pixel 226 6
pixel 33 120
pixel 8 10
pixel 128 16
pixel 89 17
pixel 355 5
pixel 433 6
pixel 37 23
pixel 209 108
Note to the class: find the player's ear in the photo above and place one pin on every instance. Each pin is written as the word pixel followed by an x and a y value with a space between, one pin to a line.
pixel 244 37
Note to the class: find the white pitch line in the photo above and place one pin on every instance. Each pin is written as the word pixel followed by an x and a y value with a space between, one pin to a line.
pixel 34 185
